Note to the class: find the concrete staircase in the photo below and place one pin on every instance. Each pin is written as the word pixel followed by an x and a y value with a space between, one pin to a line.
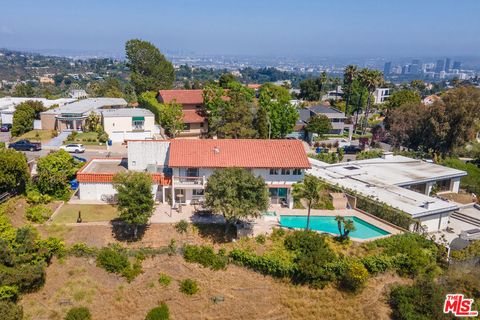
pixel 339 201
pixel 466 218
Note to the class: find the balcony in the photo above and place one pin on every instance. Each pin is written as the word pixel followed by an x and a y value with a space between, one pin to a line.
pixel 194 182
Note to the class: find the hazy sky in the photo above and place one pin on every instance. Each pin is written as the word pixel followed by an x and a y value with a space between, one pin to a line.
pixel 263 27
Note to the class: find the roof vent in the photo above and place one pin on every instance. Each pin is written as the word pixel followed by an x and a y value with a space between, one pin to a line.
pixel 216 150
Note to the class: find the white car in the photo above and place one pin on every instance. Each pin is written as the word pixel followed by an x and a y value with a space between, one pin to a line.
pixel 74 148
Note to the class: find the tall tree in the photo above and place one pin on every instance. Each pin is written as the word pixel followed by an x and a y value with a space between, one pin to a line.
pixel 349 74
pixel 370 79
pixel 54 173
pixel 261 123
pixel 13 171
pixel 168 115
pixel 150 70
pixel 225 80
pixel 236 193
pixel 402 97
pixel 310 190
pixel 282 115
pixel 24 116
pixel 135 200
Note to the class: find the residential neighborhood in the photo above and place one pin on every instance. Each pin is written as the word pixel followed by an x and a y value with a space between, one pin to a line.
pixel 158 182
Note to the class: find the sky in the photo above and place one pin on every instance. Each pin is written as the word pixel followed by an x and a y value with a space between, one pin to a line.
pixel 245 27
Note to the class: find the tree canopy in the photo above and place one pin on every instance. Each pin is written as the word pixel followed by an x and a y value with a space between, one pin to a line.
pixel 281 114
pixel 24 116
pixel 236 193
pixel 319 124
pixel 310 190
pixel 13 171
pixel 399 98
pixel 150 70
pixel 54 173
pixel 168 115
pixel 135 200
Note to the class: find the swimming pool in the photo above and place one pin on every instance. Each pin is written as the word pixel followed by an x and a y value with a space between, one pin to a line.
pixel 364 230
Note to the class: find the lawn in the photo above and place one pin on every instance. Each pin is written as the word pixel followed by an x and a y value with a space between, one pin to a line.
pixel 90 213
pixel 87 138
pixel 37 135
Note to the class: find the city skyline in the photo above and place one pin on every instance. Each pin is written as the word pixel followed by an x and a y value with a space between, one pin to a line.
pixel 269 28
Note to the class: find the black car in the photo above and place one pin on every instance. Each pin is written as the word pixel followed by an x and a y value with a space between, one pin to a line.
pixel 6 127
pixel 26 145
pixel 351 149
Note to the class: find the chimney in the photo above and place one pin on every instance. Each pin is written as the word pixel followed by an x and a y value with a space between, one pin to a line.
pixel 216 150
pixel 387 155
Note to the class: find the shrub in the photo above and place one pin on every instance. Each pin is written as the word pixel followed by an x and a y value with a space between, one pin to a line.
pixel 35 197
pixel 50 247
pixel 10 311
pixel 26 277
pixel 188 287
pixel 78 313
pixel 205 256
pixel 377 264
pixel 385 212
pixel 102 137
pixel 369 154
pixel 181 226
pixel 159 313
pixel 113 258
pixel 82 250
pixel 264 264
pixel 164 279
pixel 354 277
pixel 132 270
pixel 38 213
pixel 9 293
pixel 260 239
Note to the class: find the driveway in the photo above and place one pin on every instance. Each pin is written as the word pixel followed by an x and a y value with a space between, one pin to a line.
pixel 5 136
pixel 57 141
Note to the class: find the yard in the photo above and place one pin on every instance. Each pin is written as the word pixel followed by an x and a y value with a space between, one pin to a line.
pixel 87 138
pixel 89 212
pixel 37 135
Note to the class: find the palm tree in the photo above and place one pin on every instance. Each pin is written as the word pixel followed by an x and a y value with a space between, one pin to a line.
pixel 348 226
pixel 339 220
pixel 310 190
pixel 323 80
pixel 349 75
pixel 370 79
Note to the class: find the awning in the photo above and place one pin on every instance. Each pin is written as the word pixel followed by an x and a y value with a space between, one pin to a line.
pixel 138 118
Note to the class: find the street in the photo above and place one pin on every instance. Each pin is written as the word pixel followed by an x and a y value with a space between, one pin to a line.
pixel 88 154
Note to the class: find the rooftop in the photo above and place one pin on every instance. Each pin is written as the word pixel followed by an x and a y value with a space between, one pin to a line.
pixel 242 153
pixel 323 109
pixel 182 96
pixel 192 116
pixel 127 112
pixel 11 102
pixel 87 105
pixel 380 179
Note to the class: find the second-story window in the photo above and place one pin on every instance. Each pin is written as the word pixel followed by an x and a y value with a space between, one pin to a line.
pixel 273 171
pixel 297 172
pixel 285 172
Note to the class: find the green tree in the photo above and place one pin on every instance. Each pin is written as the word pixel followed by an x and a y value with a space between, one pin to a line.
pixel 171 118
pixel 261 123
pixel 23 90
pixel 236 193
pixel 310 190
pixel 214 104
pixel 78 313
pixel 150 70
pixel 135 200
pixel 54 173
pixel 110 87
pixel 348 226
pixel 370 79
pixel 13 171
pixel 281 114
pixel 402 97
pixel 93 122
pixel 23 119
pixel 311 89
pixel 226 79
pixel 319 124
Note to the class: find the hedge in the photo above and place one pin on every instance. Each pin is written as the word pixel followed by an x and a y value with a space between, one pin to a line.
pixel 263 264
pixel 385 212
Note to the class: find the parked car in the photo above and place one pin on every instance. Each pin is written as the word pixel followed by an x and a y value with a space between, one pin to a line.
pixel 79 159
pixel 351 149
pixel 6 127
pixel 26 145
pixel 74 148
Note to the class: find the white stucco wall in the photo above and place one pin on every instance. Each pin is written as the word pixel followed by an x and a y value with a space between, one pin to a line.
pixel 144 153
pixel 94 191
pixel 455 185
pixel 435 222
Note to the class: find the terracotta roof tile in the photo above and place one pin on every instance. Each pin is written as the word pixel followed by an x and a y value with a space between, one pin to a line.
pixel 158 178
pixel 243 153
pixel 182 96
pixel 192 116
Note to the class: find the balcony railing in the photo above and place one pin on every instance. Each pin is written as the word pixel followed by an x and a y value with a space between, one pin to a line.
pixel 189 181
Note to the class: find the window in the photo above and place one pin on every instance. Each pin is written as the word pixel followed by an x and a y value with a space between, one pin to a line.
pixel 138 124
pixel 198 192
pixel 285 172
pixel 192 172
pixel 274 171
pixel 201 125
pixel 297 172
pixel 186 127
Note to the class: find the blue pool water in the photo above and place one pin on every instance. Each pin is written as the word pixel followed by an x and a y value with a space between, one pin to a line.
pixel 364 230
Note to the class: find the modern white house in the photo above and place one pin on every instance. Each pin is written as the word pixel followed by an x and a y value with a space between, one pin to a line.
pixel 400 182
pixel 381 95
pixel 129 123
pixel 181 168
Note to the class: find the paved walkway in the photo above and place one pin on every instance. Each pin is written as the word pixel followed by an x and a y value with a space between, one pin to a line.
pixel 57 141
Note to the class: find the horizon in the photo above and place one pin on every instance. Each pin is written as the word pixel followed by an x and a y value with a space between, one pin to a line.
pixel 267 29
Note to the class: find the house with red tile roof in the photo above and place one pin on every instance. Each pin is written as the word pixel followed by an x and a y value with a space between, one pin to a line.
pixel 192 102
pixel 189 164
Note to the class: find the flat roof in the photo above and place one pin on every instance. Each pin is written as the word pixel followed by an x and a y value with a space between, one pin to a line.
pixel 11 102
pixel 351 176
pixel 87 105
pixel 126 112
pixel 106 166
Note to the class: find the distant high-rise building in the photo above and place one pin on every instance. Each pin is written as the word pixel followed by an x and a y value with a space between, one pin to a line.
pixel 405 69
pixel 415 67
pixel 387 68
pixel 457 65
pixel 440 66
pixel 447 64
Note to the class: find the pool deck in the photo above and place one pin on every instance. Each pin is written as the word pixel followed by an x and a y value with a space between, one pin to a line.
pixel 265 224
